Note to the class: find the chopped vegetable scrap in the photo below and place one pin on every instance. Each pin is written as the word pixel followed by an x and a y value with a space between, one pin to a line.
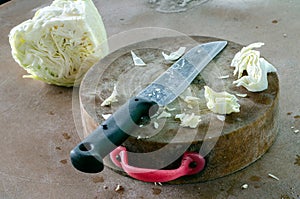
pixel 223 77
pixel 273 176
pixel 174 55
pixel 106 116
pixel 164 114
pixel 188 120
pixel 249 60
pixel 246 58
pixel 136 60
pixel 157 183
pixel 119 188
pixel 241 95
pixel 245 186
pixel 221 118
pixel 112 98
pixel 169 109
pixel 221 102
pixel 155 125
pixel 192 101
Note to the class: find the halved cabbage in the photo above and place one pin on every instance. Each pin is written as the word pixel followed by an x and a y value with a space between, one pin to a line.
pixel 61 42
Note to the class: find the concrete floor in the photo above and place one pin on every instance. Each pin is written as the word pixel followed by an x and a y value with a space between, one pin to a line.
pixel 38 128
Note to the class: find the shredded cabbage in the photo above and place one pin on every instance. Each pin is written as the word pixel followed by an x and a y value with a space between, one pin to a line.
pixel 221 102
pixel 188 120
pixel 61 42
pixel 257 68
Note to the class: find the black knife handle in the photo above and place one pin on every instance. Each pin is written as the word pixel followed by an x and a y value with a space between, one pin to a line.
pixel 88 155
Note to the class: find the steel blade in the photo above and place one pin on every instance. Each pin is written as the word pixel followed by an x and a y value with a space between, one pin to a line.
pixel 169 85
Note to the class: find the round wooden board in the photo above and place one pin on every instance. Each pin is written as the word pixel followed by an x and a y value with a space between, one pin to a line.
pixel 228 145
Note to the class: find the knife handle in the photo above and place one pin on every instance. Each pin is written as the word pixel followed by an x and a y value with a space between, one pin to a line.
pixel 88 155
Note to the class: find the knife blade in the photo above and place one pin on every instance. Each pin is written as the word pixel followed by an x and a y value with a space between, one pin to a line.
pixel 169 85
pixel 88 155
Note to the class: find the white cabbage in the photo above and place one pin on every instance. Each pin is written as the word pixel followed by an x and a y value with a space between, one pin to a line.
pixel 173 56
pixel 112 98
pixel 221 102
pixel 246 58
pixel 192 101
pixel 188 120
pixel 136 60
pixel 164 114
pixel 257 68
pixel 257 79
pixel 61 42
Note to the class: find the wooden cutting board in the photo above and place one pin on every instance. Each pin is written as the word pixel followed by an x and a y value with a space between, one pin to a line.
pixel 227 146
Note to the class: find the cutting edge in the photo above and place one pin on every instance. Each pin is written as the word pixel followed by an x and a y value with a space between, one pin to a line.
pixel 170 84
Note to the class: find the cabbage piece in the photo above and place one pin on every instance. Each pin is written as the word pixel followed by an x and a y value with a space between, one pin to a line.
pixel 173 56
pixel 257 68
pixel 137 60
pixel 155 125
pixel 164 114
pixel 188 120
pixel 257 78
pixel 61 42
pixel 245 58
pixel 192 101
pixel 221 102
pixel 112 98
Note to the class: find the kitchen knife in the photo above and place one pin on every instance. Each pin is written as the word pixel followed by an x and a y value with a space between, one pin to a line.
pixel 88 155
